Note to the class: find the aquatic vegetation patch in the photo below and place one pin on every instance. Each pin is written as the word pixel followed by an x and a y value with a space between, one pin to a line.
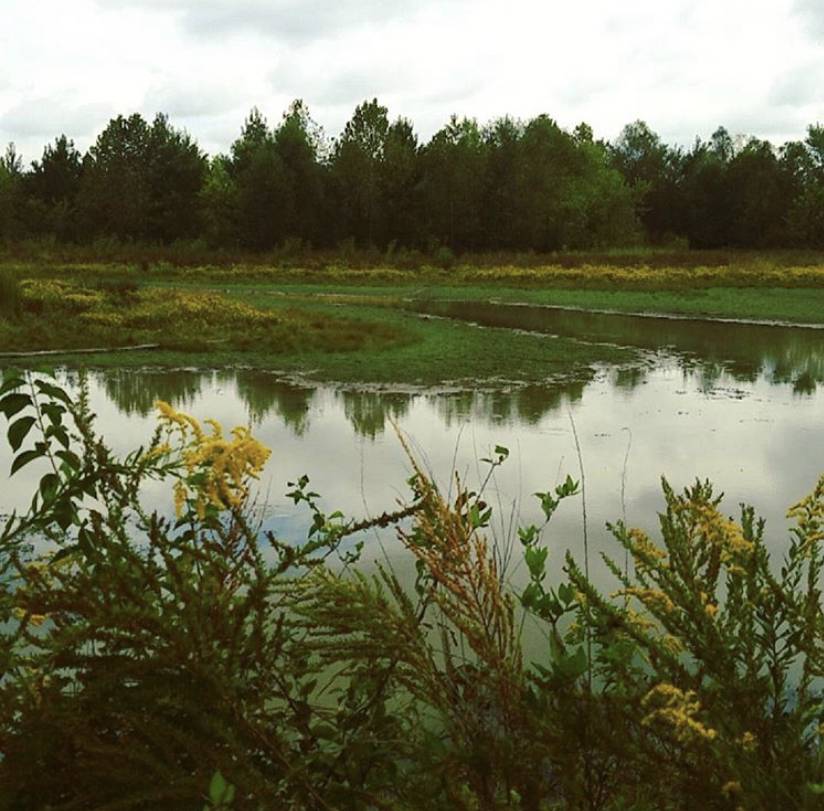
pixel 65 314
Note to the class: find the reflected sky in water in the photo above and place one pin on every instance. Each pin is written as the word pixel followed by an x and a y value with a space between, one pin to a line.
pixel 727 406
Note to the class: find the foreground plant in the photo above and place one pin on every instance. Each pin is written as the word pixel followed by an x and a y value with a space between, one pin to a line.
pixel 191 659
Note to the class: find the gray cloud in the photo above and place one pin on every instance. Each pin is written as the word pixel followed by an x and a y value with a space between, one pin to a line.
pixel 339 83
pixel 49 116
pixel 684 66
pixel 812 12
pixel 192 99
pixel 297 20
pixel 800 86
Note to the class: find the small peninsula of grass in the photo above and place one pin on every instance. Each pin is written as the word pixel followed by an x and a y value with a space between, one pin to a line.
pixel 191 326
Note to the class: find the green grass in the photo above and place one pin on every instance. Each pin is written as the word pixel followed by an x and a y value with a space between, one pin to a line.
pixel 359 324
pixel 792 304
pixel 430 352
pixel 796 305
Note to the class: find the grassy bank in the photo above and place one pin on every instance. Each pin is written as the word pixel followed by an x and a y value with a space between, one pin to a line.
pixel 800 305
pixel 358 323
pixel 243 326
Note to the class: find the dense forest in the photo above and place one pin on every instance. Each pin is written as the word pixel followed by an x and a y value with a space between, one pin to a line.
pixel 509 185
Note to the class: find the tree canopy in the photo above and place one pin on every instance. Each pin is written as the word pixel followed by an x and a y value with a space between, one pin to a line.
pixel 507 185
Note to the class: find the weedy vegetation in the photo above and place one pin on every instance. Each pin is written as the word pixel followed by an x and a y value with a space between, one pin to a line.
pixel 118 312
pixel 192 660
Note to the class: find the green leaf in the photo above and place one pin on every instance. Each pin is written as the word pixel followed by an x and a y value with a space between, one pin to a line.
pixel 59 433
pixel 19 430
pixel 54 411
pixel 48 486
pixel 65 552
pixel 71 459
pixel 23 459
pixel 64 513
pixel 10 383
pixel 221 793
pixel 536 557
pixel 14 403
pixel 53 391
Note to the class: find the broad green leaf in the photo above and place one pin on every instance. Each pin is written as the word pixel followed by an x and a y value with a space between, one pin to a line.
pixel 48 486
pixel 14 403
pixel 11 383
pixel 23 459
pixel 71 459
pixel 221 793
pixel 19 430
pixel 53 391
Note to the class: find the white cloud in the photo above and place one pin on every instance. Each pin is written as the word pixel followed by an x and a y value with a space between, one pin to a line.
pixel 49 116
pixel 812 12
pixel 286 19
pixel 801 86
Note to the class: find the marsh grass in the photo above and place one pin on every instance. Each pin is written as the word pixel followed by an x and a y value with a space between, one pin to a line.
pixel 294 255
pixel 10 296
pixel 64 314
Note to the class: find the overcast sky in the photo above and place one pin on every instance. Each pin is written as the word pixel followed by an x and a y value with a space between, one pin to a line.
pixel 684 66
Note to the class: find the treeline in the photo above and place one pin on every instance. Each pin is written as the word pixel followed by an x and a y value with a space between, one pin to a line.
pixel 510 185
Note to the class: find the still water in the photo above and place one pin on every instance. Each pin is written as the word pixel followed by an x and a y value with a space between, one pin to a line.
pixel 740 405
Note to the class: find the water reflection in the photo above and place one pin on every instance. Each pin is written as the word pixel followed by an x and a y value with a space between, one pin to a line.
pixel 523 405
pixel 264 395
pixel 758 441
pixel 740 405
pixel 746 351
pixel 135 393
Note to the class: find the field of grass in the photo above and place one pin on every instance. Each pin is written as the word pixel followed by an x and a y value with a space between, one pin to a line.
pixel 799 305
pixel 359 323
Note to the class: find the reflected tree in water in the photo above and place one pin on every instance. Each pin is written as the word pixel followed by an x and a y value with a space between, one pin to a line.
pixel 135 392
pixel 369 410
pixel 263 394
pixel 526 404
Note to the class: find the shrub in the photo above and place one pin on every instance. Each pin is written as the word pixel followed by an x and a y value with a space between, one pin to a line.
pixel 163 661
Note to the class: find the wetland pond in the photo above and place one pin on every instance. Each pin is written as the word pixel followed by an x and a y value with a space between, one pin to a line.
pixel 739 404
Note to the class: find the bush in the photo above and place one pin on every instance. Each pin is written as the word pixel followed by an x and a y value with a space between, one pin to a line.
pixel 163 661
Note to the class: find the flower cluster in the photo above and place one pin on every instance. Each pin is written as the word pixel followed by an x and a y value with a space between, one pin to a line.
pixel 218 468
pixel 723 533
pixel 647 555
pixel 64 294
pixel 809 514
pixel 654 599
pixel 677 709
pixel 156 308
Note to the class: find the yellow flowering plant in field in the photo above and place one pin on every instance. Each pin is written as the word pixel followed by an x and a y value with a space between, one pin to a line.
pixel 217 468
pixel 725 672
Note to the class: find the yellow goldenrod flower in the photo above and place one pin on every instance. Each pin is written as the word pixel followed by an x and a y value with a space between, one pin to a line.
pixel 748 742
pixel 223 465
pixel 669 705
pixel 653 599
